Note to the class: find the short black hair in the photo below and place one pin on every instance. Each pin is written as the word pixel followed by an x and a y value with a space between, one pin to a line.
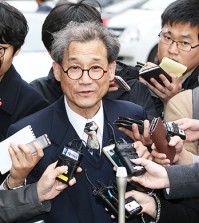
pixel 13 26
pixel 182 11
pixel 64 13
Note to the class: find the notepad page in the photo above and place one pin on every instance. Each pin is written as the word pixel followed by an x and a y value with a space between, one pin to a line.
pixel 23 136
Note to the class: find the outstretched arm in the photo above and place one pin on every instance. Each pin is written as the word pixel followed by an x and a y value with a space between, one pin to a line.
pixel 30 200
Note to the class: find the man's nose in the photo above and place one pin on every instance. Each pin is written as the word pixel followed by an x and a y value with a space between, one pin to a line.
pixel 173 48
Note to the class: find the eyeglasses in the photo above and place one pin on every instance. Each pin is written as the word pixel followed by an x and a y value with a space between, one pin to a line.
pixel 76 72
pixel 181 45
pixel 3 50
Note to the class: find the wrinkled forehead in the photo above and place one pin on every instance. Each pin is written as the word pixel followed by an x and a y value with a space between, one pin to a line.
pixel 94 48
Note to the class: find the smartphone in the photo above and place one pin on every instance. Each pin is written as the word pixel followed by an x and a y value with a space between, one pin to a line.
pixel 43 140
pixel 111 155
pixel 122 83
pixel 154 72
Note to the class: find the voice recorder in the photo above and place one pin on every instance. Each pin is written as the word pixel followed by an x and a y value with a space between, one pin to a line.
pixel 69 157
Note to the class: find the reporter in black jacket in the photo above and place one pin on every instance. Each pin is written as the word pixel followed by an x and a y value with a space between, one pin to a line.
pixel 17 98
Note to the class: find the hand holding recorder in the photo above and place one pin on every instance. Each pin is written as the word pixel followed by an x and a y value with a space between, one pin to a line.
pixel 71 157
pixel 159 131
pixel 22 163
pixel 120 155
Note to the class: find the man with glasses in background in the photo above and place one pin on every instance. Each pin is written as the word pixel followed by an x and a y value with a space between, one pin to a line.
pixel 179 41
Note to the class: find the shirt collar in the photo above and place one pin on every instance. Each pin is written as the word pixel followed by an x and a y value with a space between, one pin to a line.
pixel 79 122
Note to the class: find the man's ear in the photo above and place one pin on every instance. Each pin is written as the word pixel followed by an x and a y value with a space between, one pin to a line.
pixel 57 71
pixel 111 70
pixel 17 52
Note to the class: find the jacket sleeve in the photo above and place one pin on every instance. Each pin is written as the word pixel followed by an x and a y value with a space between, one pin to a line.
pixel 184 181
pixel 183 211
pixel 21 204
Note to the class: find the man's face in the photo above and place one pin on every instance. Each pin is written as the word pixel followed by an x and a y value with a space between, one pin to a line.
pixel 6 59
pixel 183 33
pixel 84 95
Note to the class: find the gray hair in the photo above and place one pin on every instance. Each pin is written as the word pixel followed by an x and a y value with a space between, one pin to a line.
pixel 84 32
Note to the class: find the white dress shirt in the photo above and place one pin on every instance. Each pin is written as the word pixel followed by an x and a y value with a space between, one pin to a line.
pixel 79 122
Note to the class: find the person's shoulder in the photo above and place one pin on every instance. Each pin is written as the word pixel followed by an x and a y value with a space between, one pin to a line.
pixel 38 118
pixel 30 91
pixel 118 108
pixel 121 103
pixel 42 81
pixel 179 106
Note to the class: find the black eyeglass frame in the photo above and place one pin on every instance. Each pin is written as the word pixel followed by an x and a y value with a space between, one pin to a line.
pixel 4 50
pixel 66 72
pixel 174 41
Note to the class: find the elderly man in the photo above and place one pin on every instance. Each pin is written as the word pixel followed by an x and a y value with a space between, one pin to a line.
pixel 84 62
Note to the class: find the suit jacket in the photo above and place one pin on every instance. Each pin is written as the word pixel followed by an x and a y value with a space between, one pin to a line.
pixel 184 181
pixel 21 204
pixel 18 100
pixel 75 204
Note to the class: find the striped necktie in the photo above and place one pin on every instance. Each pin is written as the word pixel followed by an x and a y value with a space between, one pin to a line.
pixel 92 141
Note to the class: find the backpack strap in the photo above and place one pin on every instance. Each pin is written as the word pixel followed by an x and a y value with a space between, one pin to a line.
pixel 195 102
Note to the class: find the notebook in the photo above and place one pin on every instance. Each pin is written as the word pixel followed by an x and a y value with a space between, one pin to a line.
pixel 23 136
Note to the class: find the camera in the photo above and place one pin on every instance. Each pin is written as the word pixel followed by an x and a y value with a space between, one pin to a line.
pixel 126 152
pixel 70 157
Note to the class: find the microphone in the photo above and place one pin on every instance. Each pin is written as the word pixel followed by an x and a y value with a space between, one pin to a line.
pixel 121 181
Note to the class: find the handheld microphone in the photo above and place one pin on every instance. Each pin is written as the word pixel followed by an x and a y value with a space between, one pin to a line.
pixel 121 181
